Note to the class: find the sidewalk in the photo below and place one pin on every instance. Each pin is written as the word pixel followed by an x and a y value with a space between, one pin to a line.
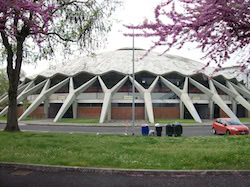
pixel 113 123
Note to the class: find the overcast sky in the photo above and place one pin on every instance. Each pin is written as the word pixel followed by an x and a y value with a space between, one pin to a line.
pixel 133 12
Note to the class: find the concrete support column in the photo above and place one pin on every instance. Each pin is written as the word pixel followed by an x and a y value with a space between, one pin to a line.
pixel 108 93
pixel 234 106
pixel 74 108
pixel 19 90
pixel 149 114
pixel 24 94
pixel 241 89
pixel 211 108
pixel 236 97
pixel 182 108
pixel 145 113
pixel 72 98
pixel 248 112
pixel 212 93
pixel 109 112
pixel 46 93
pixel 46 108
pixel 184 97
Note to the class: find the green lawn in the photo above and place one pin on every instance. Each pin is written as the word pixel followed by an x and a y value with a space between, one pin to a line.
pixel 26 119
pixel 3 117
pixel 78 121
pixel 166 121
pixel 118 151
pixel 244 120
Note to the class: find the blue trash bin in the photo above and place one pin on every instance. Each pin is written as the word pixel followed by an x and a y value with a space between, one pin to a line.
pixel 144 129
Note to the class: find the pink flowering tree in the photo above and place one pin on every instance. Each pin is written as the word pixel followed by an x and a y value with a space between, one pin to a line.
pixel 31 30
pixel 220 28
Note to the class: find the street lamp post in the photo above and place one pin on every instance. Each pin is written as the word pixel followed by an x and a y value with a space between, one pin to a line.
pixel 133 87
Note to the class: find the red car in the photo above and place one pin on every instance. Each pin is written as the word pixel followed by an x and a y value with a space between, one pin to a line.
pixel 229 126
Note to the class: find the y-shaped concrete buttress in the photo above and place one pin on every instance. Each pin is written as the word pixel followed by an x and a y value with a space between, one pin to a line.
pixel 244 88
pixel 71 98
pixel 45 93
pixel 183 95
pixel 24 94
pixel 245 92
pixel 147 97
pixel 212 93
pixel 231 91
pixel 108 93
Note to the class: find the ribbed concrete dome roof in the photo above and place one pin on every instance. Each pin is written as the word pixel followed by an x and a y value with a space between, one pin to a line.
pixel 121 61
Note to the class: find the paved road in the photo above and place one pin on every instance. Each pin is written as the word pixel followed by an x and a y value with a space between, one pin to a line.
pixel 19 177
pixel 187 131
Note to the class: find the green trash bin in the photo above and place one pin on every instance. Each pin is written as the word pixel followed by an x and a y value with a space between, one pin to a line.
pixel 177 129
pixel 169 130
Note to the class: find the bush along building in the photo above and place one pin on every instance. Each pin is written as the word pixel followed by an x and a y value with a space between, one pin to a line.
pixel 100 87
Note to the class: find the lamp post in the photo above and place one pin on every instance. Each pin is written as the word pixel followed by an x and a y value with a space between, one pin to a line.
pixel 133 87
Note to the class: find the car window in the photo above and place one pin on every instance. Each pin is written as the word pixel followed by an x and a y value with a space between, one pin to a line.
pixel 222 122
pixel 233 122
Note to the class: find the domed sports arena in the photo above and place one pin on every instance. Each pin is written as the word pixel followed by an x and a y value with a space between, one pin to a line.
pixel 100 87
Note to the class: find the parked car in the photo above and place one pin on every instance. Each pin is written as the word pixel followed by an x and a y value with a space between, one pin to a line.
pixel 229 126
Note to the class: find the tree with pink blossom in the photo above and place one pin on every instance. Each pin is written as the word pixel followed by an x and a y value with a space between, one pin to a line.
pixel 221 28
pixel 32 30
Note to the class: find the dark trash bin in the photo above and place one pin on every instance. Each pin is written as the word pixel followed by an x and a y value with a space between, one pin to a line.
pixel 177 129
pixel 144 129
pixel 158 129
pixel 169 130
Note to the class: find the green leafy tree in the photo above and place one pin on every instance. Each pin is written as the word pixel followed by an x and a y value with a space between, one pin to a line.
pixel 32 30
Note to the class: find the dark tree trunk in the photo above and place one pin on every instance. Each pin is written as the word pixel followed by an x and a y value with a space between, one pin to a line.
pixel 12 123
pixel 13 75
pixel 13 71
pixel 13 68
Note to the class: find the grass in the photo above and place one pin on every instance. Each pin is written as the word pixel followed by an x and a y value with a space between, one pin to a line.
pixel 78 121
pixel 3 117
pixel 244 120
pixel 26 119
pixel 166 121
pixel 117 151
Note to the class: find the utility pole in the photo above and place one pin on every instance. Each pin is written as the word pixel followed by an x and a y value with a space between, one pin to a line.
pixel 133 87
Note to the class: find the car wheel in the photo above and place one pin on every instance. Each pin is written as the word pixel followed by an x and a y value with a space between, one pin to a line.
pixel 227 132
pixel 214 131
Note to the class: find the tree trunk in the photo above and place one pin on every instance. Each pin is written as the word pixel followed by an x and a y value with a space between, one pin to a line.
pixel 12 123
pixel 13 68
pixel 13 71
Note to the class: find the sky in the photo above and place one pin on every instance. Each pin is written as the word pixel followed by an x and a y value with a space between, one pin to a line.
pixel 133 12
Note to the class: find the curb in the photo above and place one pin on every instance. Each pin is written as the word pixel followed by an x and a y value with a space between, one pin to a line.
pixel 132 172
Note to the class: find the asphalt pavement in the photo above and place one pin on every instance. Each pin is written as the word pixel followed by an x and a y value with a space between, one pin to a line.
pixel 36 176
pixel 187 130
pixel 29 178
pixel 45 126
